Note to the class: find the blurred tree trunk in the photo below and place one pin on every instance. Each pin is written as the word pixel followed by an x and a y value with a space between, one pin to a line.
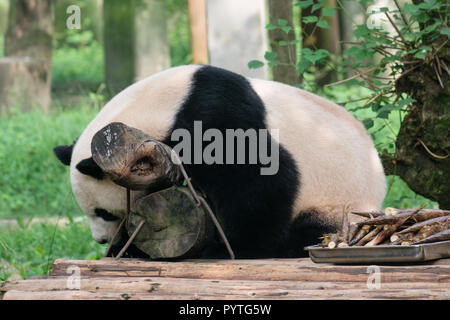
pixel 118 39
pixel 198 28
pixel 319 38
pixel 30 29
pixel 135 40
pixel 286 71
pixel 29 39
pixel 422 157
pixel 353 13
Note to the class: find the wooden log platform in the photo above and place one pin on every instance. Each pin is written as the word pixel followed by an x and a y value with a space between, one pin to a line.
pixel 232 279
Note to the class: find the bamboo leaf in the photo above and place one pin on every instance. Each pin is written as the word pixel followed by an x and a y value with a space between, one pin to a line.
pixel 323 24
pixel 328 12
pixel 310 19
pixel 255 64
pixel 304 4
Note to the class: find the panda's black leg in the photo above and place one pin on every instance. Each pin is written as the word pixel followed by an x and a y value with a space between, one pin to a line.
pixel 304 231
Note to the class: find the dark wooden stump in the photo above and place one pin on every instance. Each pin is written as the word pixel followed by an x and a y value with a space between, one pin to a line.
pixel 175 226
pixel 175 223
pixel 133 159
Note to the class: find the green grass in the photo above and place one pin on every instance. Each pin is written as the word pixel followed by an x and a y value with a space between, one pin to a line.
pixel 30 248
pixel 33 182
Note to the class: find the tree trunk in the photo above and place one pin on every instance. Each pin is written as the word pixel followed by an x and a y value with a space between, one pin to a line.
pixel 29 34
pixel 318 38
pixel 422 157
pixel 30 29
pixel 135 40
pixel 199 32
pixel 23 84
pixel 285 72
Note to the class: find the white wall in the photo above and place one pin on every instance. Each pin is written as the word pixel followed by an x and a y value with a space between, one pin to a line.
pixel 237 35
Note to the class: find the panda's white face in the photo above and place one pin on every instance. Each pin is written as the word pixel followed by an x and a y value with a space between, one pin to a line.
pixel 103 201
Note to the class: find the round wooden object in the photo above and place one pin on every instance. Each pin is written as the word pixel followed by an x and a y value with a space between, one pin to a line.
pixel 174 225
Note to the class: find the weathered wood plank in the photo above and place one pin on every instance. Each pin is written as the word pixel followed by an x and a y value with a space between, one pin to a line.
pixel 305 295
pixel 85 295
pixel 286 269
pixel 174 288
pixel 233 279
pixel 184 286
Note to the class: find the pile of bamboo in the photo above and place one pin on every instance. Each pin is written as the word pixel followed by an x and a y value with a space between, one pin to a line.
pixel 392 227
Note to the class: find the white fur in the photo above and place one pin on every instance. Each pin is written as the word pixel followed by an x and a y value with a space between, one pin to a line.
pixel 337 160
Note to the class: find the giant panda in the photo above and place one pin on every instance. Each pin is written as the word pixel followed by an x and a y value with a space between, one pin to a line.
pixel 326 159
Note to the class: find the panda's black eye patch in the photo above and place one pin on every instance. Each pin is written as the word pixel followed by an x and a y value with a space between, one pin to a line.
pixel 105 215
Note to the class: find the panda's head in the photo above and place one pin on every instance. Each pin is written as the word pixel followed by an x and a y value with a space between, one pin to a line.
pixel 103 201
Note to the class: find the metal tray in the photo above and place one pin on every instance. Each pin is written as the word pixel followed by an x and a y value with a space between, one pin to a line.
pixel 380 254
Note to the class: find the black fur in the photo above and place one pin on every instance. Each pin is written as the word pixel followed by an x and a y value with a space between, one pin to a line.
pixel 254 209
pixel 90 168
pixel 305 231
pixel 64 153
pixel 105 215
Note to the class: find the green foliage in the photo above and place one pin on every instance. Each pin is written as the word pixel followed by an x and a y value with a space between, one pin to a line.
pixel 178 32
pixel 254 64
pixel 399 52
pixel 2 45
pixel 30 248
pixel 33 182
pixel 409 44
pixel 369 93
pixel 400 196
pixel 79 61
pixel 4 6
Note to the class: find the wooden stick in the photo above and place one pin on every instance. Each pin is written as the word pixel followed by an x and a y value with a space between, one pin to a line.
pixel 114 237
pixel 345 227
pixel 367 214
pixel 125 247
pixel 416 214
pixel 429 230
pixel 390 229
pixel 361 233
pixel 440 236
pixel 352 232
pixel 419 225
pixel 368 237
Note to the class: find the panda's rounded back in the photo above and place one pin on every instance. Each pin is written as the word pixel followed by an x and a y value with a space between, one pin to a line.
pixel 338 163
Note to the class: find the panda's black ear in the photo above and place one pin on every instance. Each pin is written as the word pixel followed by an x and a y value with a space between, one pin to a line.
pixel 64 153
pixel 90 168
